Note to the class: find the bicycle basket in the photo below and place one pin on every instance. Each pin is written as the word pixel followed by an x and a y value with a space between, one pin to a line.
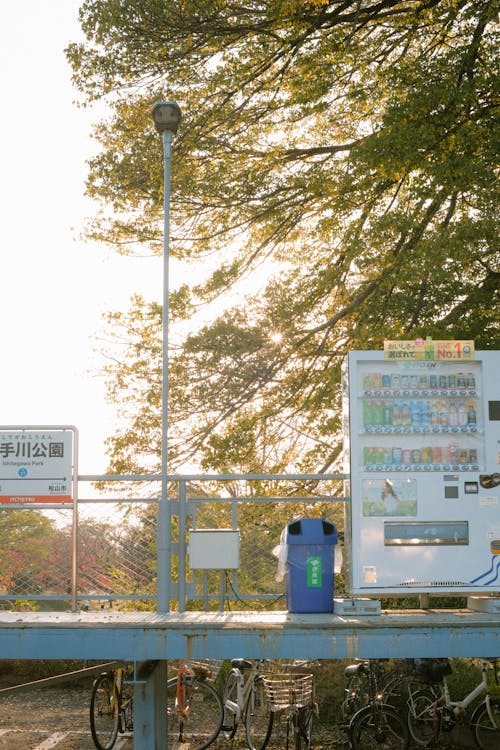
pixel 206 669
pixel 432 670
pixel 285 691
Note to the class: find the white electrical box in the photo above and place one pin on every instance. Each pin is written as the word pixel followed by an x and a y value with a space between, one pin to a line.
pixel 422 448
pixel 356 607
pixel 214 549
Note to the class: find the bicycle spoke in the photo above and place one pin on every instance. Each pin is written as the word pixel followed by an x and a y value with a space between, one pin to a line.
pixel 422 717
pixel 200 720
pixel 378 728
pixel 486 725
pixel 258 717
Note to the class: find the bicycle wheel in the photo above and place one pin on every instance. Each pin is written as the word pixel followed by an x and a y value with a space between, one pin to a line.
pixel 200 722
pixel 104 712
pixel 380 728
pixel 486 728
pixel 421 717
pixel 258 716
pixel 305 720
pixel 356 697
pixel 230 693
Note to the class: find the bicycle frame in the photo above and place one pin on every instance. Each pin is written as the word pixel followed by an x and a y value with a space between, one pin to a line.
pixel 244 687
pixel 182 688
pixel 458 707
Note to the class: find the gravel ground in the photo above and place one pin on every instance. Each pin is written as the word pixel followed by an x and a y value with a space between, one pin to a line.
pixel 58 719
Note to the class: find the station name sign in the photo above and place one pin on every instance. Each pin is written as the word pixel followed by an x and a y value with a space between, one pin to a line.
pixel 429 350
pixel 36 465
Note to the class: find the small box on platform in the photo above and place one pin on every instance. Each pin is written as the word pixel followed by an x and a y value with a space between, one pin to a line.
pixel 356 607
pixel 484 604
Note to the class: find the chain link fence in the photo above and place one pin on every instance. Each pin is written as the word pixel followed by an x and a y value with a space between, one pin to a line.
pixel 107 557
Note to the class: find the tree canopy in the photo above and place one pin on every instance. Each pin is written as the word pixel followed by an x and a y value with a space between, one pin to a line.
pixel 343 156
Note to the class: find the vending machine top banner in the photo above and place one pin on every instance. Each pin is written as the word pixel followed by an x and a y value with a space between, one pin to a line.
pixel 428 350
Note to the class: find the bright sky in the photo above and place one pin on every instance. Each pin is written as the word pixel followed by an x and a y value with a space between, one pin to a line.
pixel 54 287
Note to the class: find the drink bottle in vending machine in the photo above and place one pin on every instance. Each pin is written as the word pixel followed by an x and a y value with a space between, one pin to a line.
pixel 422 449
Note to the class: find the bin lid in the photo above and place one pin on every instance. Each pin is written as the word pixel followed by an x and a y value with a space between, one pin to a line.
pixel 311 531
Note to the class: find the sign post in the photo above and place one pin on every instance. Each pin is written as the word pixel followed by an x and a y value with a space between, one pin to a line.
pixel 39 467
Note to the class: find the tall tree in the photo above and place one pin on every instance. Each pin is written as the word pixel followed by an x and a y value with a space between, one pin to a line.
pixel 342 154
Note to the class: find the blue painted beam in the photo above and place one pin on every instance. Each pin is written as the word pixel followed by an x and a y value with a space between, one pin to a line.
pixel 141 636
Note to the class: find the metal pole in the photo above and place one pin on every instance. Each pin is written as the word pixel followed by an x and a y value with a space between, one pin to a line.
pixel 75 538
pixel 164 542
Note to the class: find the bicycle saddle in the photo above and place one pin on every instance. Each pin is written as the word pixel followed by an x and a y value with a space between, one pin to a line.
pixel 241 664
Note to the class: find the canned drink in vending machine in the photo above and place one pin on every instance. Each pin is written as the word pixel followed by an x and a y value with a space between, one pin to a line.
pixel 387 413
pixel 387 456
pixel 426 455
pixel 437 455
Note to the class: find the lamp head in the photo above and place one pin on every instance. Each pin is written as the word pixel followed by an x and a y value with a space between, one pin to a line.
pixel 166 116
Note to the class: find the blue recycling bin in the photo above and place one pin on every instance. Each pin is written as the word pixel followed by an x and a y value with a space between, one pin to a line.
pixel 310 565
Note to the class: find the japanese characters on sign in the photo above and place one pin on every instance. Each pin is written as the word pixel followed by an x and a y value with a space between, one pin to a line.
pixel 36 466
pixel 427 349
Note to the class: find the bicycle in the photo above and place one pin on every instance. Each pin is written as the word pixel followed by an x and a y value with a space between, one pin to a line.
pixel 111 707
pixel 194 708
pixel 291 697
pixel 245 700
pixel 357 690
pixel 430 715
pixel 377 724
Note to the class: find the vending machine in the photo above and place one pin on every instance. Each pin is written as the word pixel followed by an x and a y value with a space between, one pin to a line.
pixel 422 451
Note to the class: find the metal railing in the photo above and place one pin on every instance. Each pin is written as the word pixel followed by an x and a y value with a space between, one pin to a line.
pixel 114 549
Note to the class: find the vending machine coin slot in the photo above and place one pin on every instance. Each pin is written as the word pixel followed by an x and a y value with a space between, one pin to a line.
pixel 471 488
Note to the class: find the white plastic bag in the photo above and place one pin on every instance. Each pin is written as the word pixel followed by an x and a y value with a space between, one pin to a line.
pixel 281 552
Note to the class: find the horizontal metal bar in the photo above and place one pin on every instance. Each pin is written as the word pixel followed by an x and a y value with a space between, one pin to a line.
pixel 116 500
pixel 207 477
pixel 37 506
pixel 250 499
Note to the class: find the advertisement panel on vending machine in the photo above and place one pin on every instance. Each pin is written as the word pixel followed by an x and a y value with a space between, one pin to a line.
pixel 422 451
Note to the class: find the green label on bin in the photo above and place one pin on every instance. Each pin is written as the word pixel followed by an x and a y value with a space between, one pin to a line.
pixel 314 572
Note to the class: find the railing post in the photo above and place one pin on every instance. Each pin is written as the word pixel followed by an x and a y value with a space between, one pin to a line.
pixel 182 544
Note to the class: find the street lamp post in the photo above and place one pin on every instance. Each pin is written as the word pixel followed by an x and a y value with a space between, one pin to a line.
pixel 166 117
